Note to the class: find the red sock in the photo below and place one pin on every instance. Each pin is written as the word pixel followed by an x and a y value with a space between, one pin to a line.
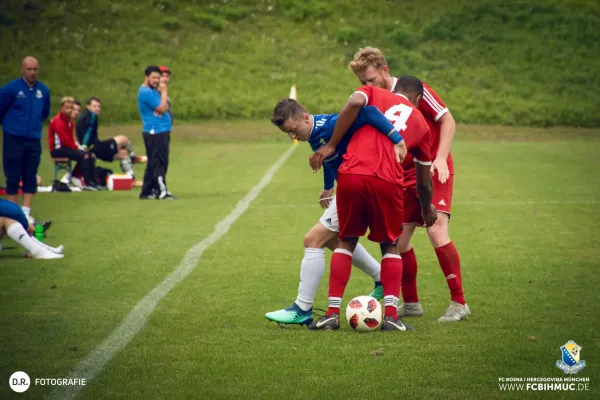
pixel 409 277
pixel 450 263
pixel 339 275
pixel 391 275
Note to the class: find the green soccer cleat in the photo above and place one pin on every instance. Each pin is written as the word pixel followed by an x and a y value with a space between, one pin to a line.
pixel 292 315
pixel 377 293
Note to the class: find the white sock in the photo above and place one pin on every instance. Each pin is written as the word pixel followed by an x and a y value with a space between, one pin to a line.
pixel 163 187
pixel 311 272
pixel 47 247
pixel 20 235
pixel 364 261
pixel 27 211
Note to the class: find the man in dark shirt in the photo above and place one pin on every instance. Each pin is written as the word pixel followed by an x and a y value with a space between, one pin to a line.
pixel 118 147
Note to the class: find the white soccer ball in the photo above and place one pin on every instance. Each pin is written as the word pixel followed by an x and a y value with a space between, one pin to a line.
pixel 364 314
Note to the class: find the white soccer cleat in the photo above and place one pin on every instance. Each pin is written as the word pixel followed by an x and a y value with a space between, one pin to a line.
pixel 65 178
pixel 455 312
pixel 76 182
pixel 47 255
pixel 410 310
pixel 59 249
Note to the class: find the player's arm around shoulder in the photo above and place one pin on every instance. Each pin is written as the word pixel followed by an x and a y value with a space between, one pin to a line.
pixel 344 120
pixel 328 184
pixel 422 158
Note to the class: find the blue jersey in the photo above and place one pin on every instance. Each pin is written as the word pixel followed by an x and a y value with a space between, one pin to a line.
pixel 24 109
pixel 323 125
pixel 148 100
pixel 11 210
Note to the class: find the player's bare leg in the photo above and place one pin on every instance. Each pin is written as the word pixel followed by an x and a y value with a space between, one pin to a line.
pixel 123 142
pixel 411 306
pixel 450 263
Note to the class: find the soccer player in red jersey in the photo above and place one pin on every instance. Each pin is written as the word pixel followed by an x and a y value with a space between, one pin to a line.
pixel 370 67
pixel 370 192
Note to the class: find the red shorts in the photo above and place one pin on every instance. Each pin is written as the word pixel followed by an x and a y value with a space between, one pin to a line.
pixel 442 194
pixel 442 200
pixel 369 202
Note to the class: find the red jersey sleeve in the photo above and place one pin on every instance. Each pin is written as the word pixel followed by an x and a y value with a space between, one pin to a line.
pixel 431 106
pixel 365 91
pixel 51 134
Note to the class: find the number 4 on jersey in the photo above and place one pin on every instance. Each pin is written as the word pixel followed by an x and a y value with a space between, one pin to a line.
pixel 398 115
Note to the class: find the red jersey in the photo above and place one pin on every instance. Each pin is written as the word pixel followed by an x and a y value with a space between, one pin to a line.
pixel 60 133
pixel 371 153
pixel 432 108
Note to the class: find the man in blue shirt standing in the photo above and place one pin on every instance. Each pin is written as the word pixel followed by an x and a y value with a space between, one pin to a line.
pixel 153 106
pixel 24 106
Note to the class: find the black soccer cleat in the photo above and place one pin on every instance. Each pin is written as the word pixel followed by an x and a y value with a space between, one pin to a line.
pixel 46 224
pixel 326 323
pixel 391 324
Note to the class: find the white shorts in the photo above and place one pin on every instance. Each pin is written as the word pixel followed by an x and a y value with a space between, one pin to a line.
pixel 329 219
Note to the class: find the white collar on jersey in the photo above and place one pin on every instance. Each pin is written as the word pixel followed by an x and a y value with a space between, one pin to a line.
pixel 394 81
pixel 313 127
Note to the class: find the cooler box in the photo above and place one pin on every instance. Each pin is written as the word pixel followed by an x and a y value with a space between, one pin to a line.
pixel 119 182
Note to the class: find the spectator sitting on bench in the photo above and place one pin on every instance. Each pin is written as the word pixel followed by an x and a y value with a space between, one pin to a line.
pixel 76 110
pixel 62 143
pixel 118 147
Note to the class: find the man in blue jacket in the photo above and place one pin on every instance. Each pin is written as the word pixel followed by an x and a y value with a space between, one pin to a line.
pixel 24 106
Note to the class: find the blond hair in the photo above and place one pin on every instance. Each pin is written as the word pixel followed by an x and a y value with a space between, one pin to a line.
pixel 67 99
pixel 365 58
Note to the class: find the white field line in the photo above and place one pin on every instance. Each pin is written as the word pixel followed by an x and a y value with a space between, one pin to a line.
pixel 133 323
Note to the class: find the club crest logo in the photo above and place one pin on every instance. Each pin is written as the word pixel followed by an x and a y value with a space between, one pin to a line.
pixel 38 94
pixel 571 362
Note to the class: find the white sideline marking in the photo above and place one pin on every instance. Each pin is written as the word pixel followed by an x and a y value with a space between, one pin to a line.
pixel 137 317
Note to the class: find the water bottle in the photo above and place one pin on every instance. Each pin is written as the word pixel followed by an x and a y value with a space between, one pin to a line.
pixel 39 232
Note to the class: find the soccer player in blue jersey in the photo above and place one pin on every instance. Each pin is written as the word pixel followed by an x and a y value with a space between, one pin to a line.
pixel 292 118
pixel 14 223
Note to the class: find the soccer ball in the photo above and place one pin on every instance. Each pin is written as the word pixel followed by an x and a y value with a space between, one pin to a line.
pixel 364 314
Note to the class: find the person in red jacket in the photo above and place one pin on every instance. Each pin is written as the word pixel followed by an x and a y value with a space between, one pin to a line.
pixel 62 143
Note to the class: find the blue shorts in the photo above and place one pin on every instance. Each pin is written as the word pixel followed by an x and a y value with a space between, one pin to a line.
pixel 21 159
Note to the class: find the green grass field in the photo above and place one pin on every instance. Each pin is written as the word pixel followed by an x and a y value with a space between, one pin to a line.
pixel 513 62
pixel 525 222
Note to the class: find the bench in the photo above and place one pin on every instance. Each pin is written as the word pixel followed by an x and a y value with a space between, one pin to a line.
pixel 62 164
